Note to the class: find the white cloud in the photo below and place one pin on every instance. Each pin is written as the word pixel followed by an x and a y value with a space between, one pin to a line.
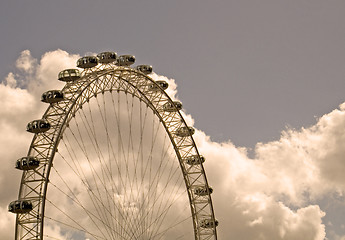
pixel 6 224
pixel 253 198
pixel 244 198
pixel 307 161
pixel 264 218
pixel 15 102
pixel 47 71
pixel 10 80
pixel 26 62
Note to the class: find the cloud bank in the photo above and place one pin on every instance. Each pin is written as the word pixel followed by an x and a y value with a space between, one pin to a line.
pixel 270 197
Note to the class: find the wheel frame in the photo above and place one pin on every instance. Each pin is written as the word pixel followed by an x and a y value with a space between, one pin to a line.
pixel 94 81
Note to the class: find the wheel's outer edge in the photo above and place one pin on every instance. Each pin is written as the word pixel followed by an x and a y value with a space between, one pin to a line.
pixel 78 91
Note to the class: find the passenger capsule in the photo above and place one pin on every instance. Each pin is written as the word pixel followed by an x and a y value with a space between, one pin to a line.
pixel 69 75
pixel 185 131
pixel 20 206
pixel 38 126
pixel 125 60
pixel 202 191
pixel 52 96
pixel 87 62
pixel 194 160
pixel 172 106
pixel 160 85
pixel 107 57
pixel 146 69
pixel 27 163
pixel 208 223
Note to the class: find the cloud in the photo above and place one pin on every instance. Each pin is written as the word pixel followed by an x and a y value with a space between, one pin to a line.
pixel 6 223
pixel 273 196
pixel 308 160
pixel 245 199
pixel 10 80
pixel 47 71
pixel 261 217
pixel 26 62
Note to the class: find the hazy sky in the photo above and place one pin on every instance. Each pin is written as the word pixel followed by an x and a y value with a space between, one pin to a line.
pixel 245 70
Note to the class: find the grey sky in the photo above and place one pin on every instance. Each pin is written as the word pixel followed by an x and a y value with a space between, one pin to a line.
pixel 244 69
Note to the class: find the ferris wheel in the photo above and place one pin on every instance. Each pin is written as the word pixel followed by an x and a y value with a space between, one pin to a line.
pixel 118 157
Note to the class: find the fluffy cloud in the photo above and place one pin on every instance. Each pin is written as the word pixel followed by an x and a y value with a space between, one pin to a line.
pixel 46 73
pixel 6 224
pixel 273 196
pixel 245 197
pixel 26 62
pixel 308 160
pixel 10 80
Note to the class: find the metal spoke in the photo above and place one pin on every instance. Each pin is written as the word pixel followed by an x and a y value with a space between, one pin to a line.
pixel 118 162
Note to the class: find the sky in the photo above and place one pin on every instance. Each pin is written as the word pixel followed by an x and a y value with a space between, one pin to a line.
pixel 263 81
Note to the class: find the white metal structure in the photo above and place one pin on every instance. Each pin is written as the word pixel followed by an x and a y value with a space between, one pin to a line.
pixel 119 160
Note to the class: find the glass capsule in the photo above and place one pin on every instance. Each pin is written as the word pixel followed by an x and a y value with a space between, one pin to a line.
pixel 185 131
pixel 38 126
pixel 87 62
pixel 208 223
pixel 194 160
pixel 20 206
pixel 107 57
pixel 52 96
pixel 202 191
pixel 146 69
pixel 159 85
pixel 172 107
pixel 27 163
pixel 69 75
pixel 125 60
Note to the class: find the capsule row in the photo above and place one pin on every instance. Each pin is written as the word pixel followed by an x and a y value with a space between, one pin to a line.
pixel 53 96
pixel 111 57
pixel 30 163
pixel 123 60
pixel 70 75
pixel 42 125
pixel 25 206
pixel 105 58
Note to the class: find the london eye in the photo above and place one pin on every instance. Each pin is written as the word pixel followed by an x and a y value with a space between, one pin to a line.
pixel 112 158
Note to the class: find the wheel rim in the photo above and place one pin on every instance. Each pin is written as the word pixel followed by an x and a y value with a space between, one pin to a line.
pixel 131 88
